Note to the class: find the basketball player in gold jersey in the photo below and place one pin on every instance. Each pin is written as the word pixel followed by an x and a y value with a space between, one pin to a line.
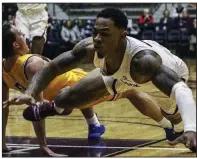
pixel 18 69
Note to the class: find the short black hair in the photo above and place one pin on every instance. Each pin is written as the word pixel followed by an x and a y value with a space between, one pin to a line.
pixel 119 18
pixel 8 39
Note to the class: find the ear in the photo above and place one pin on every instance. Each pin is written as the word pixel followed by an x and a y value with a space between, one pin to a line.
pixel 15 45
pixel 124 34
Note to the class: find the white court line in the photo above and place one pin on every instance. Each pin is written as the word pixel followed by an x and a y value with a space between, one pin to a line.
pixel 21 151
pixel 5 153
pixel 140 148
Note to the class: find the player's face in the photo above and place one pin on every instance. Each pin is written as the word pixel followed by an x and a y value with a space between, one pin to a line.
pixel 105 37
pixel 20 43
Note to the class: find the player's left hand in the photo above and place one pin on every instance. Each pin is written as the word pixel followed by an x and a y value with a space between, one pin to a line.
pixel 188 138
pixel 19 100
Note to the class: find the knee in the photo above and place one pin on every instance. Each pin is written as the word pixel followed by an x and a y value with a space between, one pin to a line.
pixel 64 98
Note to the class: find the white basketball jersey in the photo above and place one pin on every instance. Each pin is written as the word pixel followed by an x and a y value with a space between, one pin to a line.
pixel 133 47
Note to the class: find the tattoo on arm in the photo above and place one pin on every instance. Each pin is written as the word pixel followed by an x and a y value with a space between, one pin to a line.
pixel 144 65
pixel 165 79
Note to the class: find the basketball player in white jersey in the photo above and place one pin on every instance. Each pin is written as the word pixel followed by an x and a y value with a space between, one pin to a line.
pixel 32 20
pixel 125 63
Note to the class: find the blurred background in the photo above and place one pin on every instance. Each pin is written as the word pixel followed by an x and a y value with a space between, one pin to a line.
pixel 172 25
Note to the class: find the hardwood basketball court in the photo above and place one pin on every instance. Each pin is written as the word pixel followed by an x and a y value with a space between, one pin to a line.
pixel 128 132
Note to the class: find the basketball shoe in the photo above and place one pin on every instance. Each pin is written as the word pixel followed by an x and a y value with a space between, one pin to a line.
pixel 171 135
pixel 41 110
pixel 95 132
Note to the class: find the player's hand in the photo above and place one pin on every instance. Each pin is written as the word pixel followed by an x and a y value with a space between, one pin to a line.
pixel 188 138
pixel 46 152
pixel 19 100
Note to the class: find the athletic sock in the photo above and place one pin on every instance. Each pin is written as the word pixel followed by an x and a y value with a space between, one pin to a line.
pixel 94 120
pixel 178 127
pixel 165 123
pixel 58 110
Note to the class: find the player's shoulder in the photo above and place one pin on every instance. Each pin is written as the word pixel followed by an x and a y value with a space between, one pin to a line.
pixel 84 46
pixel 34 61
pixel 146 59
pixel 85 43
pixel 33 65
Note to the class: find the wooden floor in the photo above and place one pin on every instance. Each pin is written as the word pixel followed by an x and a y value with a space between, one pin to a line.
pixel 128 133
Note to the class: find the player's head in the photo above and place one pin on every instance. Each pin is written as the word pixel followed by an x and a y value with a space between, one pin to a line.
pixel 14 41
pixel 166 13
pixel 109 29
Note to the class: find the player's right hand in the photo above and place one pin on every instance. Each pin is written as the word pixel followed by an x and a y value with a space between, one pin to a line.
pixel 19 100
pixel 188 138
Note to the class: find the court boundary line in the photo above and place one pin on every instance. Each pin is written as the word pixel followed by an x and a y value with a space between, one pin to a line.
pixel 35 146
pixel 137 147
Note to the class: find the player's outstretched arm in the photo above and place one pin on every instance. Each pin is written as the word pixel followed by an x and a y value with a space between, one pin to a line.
pixel 147 66
pixel 64 62
pixel 168 82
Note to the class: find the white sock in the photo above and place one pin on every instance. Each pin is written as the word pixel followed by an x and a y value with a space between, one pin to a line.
pixel 178 127
pixel 93 120
pixel 58 110
pixel 165 123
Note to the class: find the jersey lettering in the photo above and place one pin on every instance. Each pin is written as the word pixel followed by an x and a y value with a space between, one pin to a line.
pixel 128 82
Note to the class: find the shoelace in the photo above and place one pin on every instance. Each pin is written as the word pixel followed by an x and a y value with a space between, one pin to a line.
pixel 36 112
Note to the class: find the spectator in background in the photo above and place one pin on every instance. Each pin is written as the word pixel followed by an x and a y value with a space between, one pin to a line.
pixel 77 30
pixel 186 21
pixel 32 19
pixel 82 29
pixel 146 17
pixel 166 22
pixel 192 41
pixel 52 45
pixel 183 23
pixel 68 35
pixel 178 11
pixel 146 21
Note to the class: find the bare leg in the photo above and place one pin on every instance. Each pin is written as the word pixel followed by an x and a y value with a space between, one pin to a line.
pixel 144 103
pixel 37 45
pixel 88 112
pixel 148 107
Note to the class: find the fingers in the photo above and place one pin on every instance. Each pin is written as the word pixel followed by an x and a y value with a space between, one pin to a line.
pixel 5 104
pixel 180 139
pixel 8 102
pixel 19 100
